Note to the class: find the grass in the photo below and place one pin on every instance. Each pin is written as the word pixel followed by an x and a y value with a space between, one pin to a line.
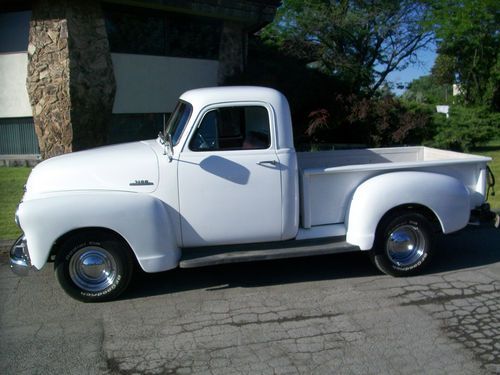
pixel 12 181
pixel 492 149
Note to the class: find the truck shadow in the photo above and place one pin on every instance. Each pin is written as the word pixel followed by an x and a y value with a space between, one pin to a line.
pixel 472 247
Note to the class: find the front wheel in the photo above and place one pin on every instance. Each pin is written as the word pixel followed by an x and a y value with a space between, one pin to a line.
pixel 404 244
pixel 94 267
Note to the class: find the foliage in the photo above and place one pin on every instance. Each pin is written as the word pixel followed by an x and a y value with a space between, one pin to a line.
pixel 319 119
pixel 465 128
pixel 359 42
pixel 469 45
pixel 443 70
pixel 389 122
pixel 12 181
pixel 377 121
pixel 427 89
pixel 492 93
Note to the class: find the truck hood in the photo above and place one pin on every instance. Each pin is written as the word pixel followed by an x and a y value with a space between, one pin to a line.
pixel 129 167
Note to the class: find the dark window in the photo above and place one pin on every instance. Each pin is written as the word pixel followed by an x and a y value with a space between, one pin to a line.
pixel 189 36
pixel 233 128
pixel 139 33
pixel 148 32
pixel 14 31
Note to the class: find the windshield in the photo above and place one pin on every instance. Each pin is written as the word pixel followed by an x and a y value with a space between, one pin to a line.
pixel 178 121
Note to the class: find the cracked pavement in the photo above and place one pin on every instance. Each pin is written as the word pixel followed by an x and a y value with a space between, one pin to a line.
pixel 320 315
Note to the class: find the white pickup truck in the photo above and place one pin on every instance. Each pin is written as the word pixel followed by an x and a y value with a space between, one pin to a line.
pixel 222 184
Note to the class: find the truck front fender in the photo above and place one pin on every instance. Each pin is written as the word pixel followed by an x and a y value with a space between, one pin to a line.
pixel 142 220
pixel 445 196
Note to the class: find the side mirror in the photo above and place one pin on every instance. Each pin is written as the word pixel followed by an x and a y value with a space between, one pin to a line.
pixel 166 142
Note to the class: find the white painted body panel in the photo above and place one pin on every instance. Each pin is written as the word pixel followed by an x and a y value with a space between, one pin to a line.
pixel 290 194
pixel 225 197
pixel 142 220
pixel 105 168
pixel 445 196
pixel 329 179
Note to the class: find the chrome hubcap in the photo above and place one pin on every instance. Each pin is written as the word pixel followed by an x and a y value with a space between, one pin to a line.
pixel 92 269
pixel 405 245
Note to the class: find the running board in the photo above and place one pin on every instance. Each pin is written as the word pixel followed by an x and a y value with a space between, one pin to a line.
pixel 209 256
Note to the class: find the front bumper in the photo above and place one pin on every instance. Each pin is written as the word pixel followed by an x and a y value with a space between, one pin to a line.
pixel 20 262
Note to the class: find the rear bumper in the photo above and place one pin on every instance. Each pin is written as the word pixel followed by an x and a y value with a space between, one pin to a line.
pixel 483 215
pixel 20 262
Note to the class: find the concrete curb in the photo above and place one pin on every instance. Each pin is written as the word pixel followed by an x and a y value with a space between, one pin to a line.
pixel 19 160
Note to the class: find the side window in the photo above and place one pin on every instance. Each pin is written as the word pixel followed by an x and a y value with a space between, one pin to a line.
pixel 233 128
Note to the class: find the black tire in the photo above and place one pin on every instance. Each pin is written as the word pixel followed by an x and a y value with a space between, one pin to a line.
pixel 94 266
pixel 404 244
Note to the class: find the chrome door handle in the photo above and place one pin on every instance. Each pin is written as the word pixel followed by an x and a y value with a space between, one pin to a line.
pixel 264 162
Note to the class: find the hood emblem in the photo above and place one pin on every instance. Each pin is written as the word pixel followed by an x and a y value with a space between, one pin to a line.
pixel 141 183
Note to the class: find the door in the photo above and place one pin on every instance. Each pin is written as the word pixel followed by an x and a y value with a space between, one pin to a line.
pixel 230 179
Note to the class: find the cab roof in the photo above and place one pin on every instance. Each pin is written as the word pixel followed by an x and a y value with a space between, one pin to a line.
pixel 212 95
pixel 201 98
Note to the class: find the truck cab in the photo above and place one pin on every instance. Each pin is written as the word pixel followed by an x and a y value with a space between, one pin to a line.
pixel 236 167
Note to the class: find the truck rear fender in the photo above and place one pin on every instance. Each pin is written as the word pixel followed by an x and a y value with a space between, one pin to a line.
pixel 141 220
pixel 445 196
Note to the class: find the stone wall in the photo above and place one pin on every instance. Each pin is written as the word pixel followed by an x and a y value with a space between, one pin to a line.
pixel 48 78
pixel 70 75
pixel 92 81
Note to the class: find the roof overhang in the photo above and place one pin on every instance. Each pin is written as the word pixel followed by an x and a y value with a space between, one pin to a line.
pixel 253 14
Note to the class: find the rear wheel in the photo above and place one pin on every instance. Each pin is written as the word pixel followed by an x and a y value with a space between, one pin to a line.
pixel 404 244
pixel 94 266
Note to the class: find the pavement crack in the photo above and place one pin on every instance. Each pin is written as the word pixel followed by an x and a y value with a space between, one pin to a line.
pixel 298 318
pixel 443 298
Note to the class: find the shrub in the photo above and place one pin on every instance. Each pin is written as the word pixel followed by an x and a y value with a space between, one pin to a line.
pixel 378 121
pixel 466 128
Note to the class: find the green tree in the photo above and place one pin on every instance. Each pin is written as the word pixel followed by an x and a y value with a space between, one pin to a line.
pixel 357 41
pixel 428 90
pixel 443 70
pixel 468 35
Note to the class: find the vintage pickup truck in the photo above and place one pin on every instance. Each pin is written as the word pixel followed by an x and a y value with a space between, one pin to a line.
pixel 222 184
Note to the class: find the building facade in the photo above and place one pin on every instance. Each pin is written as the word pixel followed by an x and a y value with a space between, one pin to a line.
pixel 76 74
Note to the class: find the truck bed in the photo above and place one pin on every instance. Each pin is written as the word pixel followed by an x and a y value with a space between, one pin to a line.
pixel 329 178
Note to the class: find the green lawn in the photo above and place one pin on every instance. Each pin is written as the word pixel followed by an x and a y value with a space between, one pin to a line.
pixel 493 150
pixel 12 181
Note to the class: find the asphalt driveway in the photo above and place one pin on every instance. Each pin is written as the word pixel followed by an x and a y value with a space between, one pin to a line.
pixel 323 315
